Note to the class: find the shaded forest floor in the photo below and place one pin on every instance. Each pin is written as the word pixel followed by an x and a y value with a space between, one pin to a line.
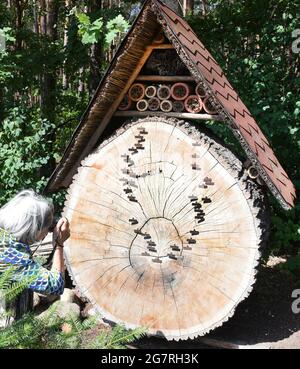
pixel 265 318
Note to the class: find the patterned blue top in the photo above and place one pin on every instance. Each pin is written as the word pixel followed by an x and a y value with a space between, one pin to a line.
pixel 19 254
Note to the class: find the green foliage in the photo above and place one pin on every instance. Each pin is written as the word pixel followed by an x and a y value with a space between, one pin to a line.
pixel 29 332
pixel 89 32
pixel 11 289
pixel 6 278
pixel 6 33
pixel 50 332
pixel 114 27
pixel 16 289
pixel 22 136
pixel 33 141
pixel 6 66
pixel 92 32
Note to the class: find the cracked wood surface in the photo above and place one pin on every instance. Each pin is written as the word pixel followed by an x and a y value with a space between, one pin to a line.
pixel 165 233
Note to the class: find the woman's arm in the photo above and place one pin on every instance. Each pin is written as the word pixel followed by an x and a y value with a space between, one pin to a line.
pixel 60 235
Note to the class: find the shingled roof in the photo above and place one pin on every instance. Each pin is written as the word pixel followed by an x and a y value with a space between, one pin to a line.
pixel 204 68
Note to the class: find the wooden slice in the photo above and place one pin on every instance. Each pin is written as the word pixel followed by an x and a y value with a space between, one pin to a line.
pixel 165 229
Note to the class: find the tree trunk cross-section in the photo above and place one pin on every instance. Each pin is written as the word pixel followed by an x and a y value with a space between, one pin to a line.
pixel 166 229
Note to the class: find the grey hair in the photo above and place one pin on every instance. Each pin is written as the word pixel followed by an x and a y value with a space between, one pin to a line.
pixel 26 215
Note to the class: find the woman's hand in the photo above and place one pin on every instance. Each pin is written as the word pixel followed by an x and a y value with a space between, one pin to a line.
pixel 62 231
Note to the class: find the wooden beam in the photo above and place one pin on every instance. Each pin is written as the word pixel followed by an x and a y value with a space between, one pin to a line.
pixel 134 113
pixel 166 78
pixel 162 46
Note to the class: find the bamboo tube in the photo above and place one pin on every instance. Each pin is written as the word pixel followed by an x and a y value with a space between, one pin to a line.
pixel 193 104
pixel 252 172
pixel 154 104
pixel 208 107
pixel 150 91
pixel 178 106
pixel 180 91
pixel 164 92
pixel 137 92
pixel 142 105
pixel 200 91
pixel 126 103
pixel 166 106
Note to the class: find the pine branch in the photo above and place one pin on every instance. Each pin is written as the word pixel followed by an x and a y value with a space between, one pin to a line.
pixel 6 278
pixel 11 292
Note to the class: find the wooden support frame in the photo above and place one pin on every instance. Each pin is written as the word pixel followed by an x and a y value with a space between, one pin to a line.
pixel 134 113
pixel 162 46
pixel 141 78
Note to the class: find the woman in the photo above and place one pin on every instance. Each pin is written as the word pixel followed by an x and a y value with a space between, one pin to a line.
pixel 24 220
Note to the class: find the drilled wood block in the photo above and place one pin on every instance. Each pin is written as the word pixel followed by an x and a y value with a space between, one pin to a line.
pixel 160 244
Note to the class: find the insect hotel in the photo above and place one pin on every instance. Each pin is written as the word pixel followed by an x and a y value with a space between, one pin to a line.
pixel 166 222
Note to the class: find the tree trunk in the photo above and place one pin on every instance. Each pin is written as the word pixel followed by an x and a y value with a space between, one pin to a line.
pixel 96 54
pixel 49 20
pixel 66 41
pixel 48 79
pixel 204 7
pixel 190 5
pixel 19 9
pixel 166 229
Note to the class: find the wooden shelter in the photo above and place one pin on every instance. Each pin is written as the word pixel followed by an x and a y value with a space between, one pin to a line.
pixel 166 222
